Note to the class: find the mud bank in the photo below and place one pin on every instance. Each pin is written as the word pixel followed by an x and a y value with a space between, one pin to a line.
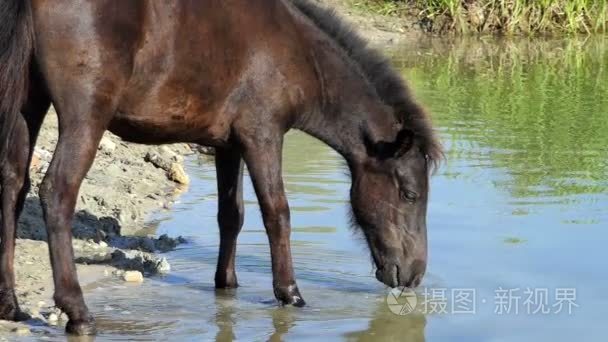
pixel 126 183
pixel 379 29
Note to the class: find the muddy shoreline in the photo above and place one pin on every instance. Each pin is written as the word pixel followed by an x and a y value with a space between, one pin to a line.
pixel 126 184
pixel 378 29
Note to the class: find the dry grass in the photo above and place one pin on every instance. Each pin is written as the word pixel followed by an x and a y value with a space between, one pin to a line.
pixel 500 16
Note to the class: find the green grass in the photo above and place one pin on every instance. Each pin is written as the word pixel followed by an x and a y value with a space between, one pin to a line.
pixel 500 16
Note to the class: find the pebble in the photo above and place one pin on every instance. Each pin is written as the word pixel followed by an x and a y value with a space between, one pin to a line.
pixel 21 331
pixel 177 174
pixel 163 266
pixel 34 313
pixel 133 277
pixel 107 145
pixel 53 318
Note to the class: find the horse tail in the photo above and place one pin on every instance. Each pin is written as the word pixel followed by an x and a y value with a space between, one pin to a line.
pixel 16 50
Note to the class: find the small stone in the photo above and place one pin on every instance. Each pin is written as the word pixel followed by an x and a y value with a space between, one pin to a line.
pixel 103 244
pixel 133 277
pixel 21 331
pixel 163 266
pixel 107 145
pixel 53 318
pixel 177 174
pixel 158 160
pixel 34 313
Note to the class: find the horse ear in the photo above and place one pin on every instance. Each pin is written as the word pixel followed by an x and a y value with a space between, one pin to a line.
pixel 385 150
pixel 404 142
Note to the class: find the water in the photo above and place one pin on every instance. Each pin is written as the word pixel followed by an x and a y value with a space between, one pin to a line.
pixel 522 205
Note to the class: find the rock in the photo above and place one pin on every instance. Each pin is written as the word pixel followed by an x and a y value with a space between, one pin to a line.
pixel 163 266
pixel 34 313
pixel 21 331
pixel 210 151
pixel 133 277
pixel 53 318
pixel 106 145
pixel 186 149
pixel 169 154
pixel 177 174
pixel 147 245
pixel 159 160
pixel 139 261
pixel 165 243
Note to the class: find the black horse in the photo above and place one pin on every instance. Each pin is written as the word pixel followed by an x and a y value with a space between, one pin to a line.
pixel 233 74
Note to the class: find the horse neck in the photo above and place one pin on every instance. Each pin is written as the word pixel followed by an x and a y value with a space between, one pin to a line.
pixel 344 104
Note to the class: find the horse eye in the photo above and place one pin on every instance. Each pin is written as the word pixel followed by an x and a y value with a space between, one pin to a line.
pixel 408 196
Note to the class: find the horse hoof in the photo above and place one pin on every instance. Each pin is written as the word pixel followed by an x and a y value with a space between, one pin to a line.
pixel 81 327
pixel 289 295
pixel 9 308
pixel 13 314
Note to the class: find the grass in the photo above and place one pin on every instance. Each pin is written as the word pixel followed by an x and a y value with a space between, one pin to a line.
pixel 499 16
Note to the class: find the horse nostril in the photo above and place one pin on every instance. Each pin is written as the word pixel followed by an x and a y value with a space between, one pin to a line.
pixel 389 275
pixel 416 273
pixel 416 280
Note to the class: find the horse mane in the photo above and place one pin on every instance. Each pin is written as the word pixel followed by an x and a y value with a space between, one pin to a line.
pixel 389 85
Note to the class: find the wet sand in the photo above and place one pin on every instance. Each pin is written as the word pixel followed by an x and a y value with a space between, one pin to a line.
pixel 126 183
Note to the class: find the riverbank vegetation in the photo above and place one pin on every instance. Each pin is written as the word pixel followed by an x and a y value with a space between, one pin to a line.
pixel 509 17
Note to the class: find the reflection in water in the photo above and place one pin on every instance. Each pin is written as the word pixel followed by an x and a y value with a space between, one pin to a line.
pixel 386 326
pixel 224 317
pixel 537 109
pixel 282 320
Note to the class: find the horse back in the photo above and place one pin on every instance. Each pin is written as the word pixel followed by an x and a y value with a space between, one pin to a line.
pixel 174 70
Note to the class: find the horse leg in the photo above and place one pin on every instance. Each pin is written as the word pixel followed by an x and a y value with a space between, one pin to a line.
pixel 262 155
pixel 229 168
pixel 15 184
pixel 79 137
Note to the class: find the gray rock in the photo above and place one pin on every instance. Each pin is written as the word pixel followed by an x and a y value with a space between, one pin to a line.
pixel 106 145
